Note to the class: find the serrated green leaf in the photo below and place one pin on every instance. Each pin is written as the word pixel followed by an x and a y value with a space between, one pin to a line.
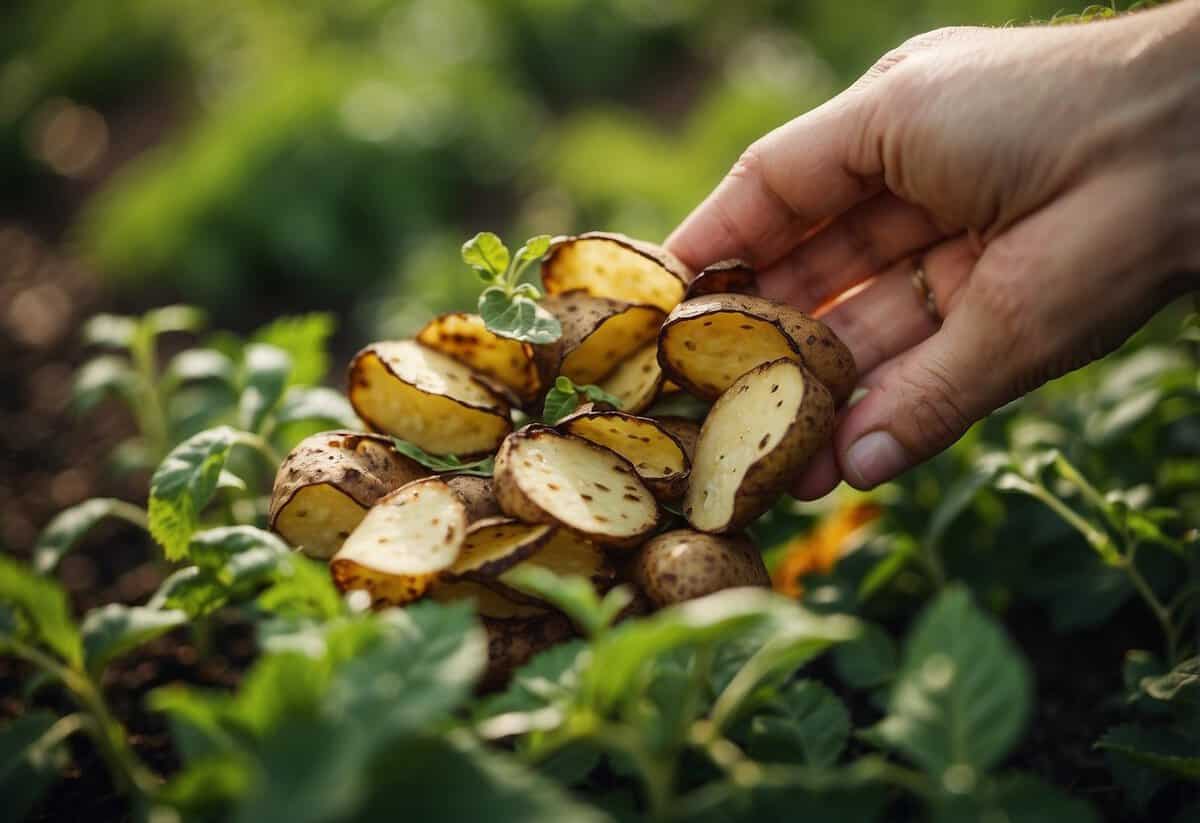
pixel 108 375
pixel 803 723
pixel 213 548
pixel 869 661
pixel 200 364
pixel 113 630
pixel 29 764
pixel 963 692
pixel 517 317
pixel 532 249
pixel 111 331
pixel 183 484
pixel 192 590
pixel 265 375
pixel 70 525
pixel 486 253
pixel 305 338
pixel 42 609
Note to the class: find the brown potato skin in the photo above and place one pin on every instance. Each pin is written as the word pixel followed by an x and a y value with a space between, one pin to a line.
pixel 515 503
pixel 364 467
pixel 666 489
pixel 771 474
pixel 685 564
pixel 724 277
pixel 488 572
pixel 478 495
pixel 581 315
pixel 652 251
pixel 512 643
pixel 817 346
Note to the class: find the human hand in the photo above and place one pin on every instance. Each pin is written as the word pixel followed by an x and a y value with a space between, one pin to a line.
pixel 1047 182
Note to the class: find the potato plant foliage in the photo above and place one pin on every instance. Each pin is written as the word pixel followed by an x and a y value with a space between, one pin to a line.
pixel 898 683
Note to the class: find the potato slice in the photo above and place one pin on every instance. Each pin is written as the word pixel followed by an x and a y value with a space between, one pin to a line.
pixel 494 545
pixel 686 431
pixel 615 266
pixel 684 564
pixel 488 602
pixel 758 436
pixel 403 544
pixel 326 484
pixel 477 493
pixel 709 342
pixel 600 334
pixel 512 643
pixel 725 277
pixel 658 458
pixel 544 476
pixel 522 368
pixel 407 390
pixel 636 382
pixel 567 554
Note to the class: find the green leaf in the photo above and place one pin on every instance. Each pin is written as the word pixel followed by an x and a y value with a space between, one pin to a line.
pixel 869 661
pixel 532 250
pixel 43 611
pixel 1017 798
pixel 561 400
pixel 183 484
pixel 961 494
pixel 208 787
pixel 265 375
pixel 113 630
pixel 575 596
pixel 803 723
pixel 200 364
pixel 305 338
pixel 1158 749
pixel 177 318
pixel 527 290
pixel 450 463
pixel 599 395
pixel 318 403
pixel 30 763
pixel 108 375
pixel 486 254
pixel 517 317
pixel 303 588
pixel 111 331
pixel 192 589
pixel 213 548
pixel 963 693
pixel 70 525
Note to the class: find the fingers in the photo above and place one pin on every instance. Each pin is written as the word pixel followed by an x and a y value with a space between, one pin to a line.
pixel 819 477
pixel 784 186
pixel 861 243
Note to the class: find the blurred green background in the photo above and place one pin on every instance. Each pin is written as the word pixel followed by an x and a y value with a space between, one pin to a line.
pixel 262 156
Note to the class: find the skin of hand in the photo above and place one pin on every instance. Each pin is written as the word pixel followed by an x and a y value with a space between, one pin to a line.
pixel 1047 179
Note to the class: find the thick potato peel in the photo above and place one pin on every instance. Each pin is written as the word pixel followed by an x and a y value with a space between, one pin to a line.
pixel 522 368
pixel 658 458
pixel 724 277
pixel 600 334
pixel 684 564
pixel 496 544
pixel 404 544
pixel 544 476
pixel 326 483
pixel 477 493
pixel 711 341
pixel 636 382
pixel 404 389
pixel 615 266
pixel 758 436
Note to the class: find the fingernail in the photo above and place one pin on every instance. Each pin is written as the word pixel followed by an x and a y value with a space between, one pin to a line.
pixel 875 458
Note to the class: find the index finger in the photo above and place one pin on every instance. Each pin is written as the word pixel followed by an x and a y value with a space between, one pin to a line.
pixel 785 186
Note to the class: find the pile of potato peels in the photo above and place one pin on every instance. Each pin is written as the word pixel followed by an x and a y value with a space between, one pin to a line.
pixel 586 495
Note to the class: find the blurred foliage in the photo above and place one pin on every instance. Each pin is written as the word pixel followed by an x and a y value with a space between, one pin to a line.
pixel 332 154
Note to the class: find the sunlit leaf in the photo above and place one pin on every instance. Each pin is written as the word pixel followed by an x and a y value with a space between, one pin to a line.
pixel 113 630
pixel 265 375
pixel 487 254
pixel 183 484
pixel 43 611
pixel 70 525
pixel 108 375
pixel 305 339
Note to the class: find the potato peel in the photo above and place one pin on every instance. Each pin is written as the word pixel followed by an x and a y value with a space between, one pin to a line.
pixel 496 544
pixel 606 264
pixel 658 457
pixel 684 564
pixel 600 334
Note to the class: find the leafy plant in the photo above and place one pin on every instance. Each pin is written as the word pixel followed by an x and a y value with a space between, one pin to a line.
pixel 564 397
pixel 508 306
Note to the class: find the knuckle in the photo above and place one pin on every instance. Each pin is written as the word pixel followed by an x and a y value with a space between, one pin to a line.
pixel 750 164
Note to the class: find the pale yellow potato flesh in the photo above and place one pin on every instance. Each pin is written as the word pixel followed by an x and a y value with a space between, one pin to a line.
pixel 403 544
pixel 605 268
pixel 408 391
pixel 610 345
pixel 318 519
pixel 713 350
pixel 567 554
pixel 465 338
pixel 488 602
pixel 491 546
pixel 734 437
pixel 636 381
pixel 583 487
pixel 651 451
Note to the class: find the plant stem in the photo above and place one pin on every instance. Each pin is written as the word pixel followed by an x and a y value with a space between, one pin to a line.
pixel 1097 539
pixel 1161 613
pixel 128 773
pixel 152 417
